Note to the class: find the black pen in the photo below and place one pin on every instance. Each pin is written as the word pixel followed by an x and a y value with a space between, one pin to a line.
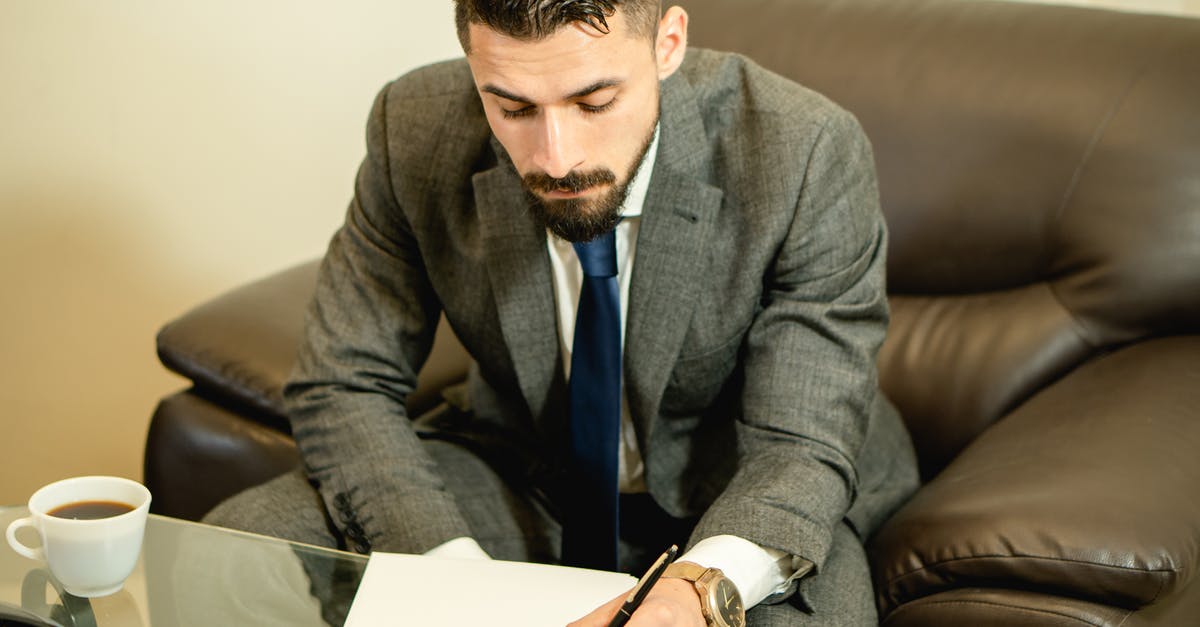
pixel 643 586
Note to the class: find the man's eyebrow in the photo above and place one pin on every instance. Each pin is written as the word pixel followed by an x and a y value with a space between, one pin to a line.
pixel 594 87
pixel 505 94
pixel 586 91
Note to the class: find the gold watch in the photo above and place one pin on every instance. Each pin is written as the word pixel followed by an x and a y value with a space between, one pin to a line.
pixel 720 601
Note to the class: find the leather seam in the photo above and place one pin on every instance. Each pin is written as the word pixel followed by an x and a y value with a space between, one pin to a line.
pixel 1077 325
pixel 1073 185
pixel 934 565
pixel 1162 585
pixel 1125 618
pixel 893 582
pixel 1093 141
pixel 1010 607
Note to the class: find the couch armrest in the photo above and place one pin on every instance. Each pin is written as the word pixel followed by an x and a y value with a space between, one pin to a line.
pixel 198 453
pixel 240 346
pixel 1087 490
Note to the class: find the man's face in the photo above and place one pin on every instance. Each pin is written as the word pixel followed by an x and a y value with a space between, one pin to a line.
pixel 575 112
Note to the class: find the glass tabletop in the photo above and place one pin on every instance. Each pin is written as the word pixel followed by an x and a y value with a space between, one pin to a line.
pixel 194 574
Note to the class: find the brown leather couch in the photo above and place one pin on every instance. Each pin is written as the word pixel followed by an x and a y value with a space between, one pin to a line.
pixel 1040 171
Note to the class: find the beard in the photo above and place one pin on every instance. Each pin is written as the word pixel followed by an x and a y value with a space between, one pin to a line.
pixel 581 219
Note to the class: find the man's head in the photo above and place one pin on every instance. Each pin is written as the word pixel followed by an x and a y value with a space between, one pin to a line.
pixel 570 88
pixel 533 20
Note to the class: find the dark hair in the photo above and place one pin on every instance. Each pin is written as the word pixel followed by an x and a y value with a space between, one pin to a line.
pixel 537 19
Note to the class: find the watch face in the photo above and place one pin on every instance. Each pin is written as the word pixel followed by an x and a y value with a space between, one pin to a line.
pixel 727 603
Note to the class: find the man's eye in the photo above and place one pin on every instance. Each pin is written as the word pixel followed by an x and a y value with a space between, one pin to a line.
pixel 517 113
pixel 587 108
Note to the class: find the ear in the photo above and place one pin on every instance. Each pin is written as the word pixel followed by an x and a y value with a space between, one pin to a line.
pixel 670 46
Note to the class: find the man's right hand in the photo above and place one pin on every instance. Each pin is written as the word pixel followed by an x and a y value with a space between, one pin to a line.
pixel 670 603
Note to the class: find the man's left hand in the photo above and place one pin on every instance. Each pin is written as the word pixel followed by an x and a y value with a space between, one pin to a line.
pixel 671 603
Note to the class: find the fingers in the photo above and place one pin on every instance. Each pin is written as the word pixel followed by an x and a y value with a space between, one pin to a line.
pixel 671 603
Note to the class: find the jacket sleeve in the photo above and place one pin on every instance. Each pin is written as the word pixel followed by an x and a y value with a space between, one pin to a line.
pixel 809 359
pixel 369 328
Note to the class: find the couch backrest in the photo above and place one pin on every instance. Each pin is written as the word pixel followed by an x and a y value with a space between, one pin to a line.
pixel 1039 168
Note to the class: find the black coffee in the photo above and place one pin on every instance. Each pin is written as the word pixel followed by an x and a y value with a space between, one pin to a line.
pixel 90 510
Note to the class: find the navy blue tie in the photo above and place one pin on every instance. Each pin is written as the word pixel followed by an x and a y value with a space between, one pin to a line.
pixel 590 519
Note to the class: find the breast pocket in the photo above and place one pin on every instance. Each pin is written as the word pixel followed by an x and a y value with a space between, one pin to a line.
pixel 697 379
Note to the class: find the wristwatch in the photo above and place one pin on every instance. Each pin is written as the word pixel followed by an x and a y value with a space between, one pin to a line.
pixel 720 601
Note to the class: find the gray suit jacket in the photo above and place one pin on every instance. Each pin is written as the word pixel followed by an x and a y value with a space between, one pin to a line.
pixel 756 309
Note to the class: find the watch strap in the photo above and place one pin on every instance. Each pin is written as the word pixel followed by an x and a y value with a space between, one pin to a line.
pixel 701 578
pixel 685 570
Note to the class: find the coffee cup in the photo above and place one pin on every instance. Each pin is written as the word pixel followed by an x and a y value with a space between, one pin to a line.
pixel 91 529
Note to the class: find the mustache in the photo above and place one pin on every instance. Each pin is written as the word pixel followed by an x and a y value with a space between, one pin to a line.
pixel 573 182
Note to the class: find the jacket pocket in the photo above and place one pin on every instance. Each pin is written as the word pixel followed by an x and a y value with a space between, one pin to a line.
pixel 697 379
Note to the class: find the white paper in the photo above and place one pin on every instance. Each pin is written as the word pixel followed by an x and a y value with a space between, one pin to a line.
pixel 401 589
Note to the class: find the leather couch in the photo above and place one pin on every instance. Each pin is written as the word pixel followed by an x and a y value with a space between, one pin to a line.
pixel 1040 171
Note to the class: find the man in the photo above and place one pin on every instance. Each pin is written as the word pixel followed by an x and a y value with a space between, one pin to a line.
pixel 721 377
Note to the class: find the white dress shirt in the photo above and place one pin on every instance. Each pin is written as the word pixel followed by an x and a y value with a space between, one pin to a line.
pixel 756 571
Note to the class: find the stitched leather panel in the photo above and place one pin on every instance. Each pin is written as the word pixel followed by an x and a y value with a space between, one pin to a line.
pixel 1086 490
pixel 954 365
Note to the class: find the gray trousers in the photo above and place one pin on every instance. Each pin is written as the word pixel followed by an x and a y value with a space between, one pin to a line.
pixel 510 525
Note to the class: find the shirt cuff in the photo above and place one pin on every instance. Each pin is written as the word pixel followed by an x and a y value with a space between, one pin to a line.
pixel 465 548
pixel 758 572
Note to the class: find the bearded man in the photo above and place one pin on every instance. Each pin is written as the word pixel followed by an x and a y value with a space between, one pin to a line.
pixel 668 268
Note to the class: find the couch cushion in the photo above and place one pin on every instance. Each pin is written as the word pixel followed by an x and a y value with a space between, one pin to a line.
pixel 956 364
pixel 1037 167
pixel 1088 490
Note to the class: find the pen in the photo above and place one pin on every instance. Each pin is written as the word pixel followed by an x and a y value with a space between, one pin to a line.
pixel 642 588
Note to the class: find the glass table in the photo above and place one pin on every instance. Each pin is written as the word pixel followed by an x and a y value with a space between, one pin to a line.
pixel 194 574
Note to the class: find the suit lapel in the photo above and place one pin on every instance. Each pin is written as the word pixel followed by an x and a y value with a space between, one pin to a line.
pixel 673 241
pixel 518 268
pixel 672 251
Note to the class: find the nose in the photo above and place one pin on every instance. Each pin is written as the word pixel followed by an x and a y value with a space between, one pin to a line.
pixel 559 150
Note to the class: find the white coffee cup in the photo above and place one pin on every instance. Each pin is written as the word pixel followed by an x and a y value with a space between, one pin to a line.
pixel 89 557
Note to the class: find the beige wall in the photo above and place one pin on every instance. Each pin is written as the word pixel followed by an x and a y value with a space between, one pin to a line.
pixel 1184 7
pixel 153 154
